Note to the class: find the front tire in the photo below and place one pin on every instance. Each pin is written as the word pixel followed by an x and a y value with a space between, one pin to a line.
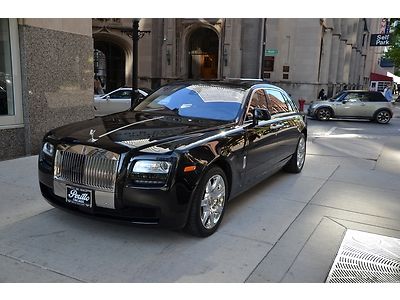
pixel 208 203
pixel 383 116
pixel 296 162
pixel 323 114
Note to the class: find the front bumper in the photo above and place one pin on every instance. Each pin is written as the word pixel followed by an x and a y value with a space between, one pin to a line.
pixel 311 111
pixel 151 207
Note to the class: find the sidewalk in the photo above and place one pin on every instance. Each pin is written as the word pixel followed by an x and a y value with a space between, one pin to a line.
pixel 287 229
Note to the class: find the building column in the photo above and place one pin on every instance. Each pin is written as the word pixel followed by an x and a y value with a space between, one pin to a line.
pixel 358 71
pixel 326 56
pixel 352 65
pixel 346 65
pixel 340 66
pixel 333 64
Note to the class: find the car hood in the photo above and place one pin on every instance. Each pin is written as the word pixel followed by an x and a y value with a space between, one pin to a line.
pixel 148 132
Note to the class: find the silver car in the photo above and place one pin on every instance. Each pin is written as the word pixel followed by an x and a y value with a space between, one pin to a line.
pixel 353 104
pixel 116 101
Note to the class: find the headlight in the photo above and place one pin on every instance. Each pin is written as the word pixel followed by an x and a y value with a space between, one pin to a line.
pixel 150 173
pixel 151 166
pixel 48 149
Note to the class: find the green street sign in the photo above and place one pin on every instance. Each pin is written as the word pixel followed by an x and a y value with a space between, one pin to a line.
pixel 270 52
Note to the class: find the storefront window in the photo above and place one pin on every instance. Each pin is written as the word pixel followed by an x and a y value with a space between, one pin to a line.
pixel 6 78
pixel 10 76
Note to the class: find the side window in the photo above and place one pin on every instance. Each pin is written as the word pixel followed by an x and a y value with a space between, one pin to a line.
pixel 121 94
pixel 258 100
pixel 364 97
pixel 288 100
pixel 277 103
pixel 353 97
pixel 376 97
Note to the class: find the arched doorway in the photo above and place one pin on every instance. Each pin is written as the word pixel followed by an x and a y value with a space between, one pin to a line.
pixel 203 54
pixel 109 64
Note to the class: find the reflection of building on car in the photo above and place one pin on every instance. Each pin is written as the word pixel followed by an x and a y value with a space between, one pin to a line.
pixel 176 158
pixel 117 101
pixel 353 104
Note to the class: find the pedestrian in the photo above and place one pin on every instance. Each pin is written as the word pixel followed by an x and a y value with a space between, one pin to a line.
pixel 321 94
pixel 387 92
pixel 98 89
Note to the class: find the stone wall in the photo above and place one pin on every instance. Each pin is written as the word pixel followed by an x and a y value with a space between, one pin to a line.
pixel 12 144
pixel 57 80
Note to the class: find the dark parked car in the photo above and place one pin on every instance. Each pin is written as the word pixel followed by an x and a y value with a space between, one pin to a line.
pixel 176 158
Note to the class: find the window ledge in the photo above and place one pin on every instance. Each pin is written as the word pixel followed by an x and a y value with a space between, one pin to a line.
pixel 14 126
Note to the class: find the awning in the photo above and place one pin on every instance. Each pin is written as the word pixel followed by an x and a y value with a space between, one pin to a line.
pixel 379 77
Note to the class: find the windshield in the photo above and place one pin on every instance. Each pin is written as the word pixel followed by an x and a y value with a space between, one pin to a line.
pixel 337 96
pixel 196 101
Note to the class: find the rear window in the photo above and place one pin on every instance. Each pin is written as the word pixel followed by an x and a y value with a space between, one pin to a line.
pixel 376 97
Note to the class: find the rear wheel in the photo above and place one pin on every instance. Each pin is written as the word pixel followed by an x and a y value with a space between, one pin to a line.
pixel 208 204
pixel 323 114
pixel 383 116
pixel 296 163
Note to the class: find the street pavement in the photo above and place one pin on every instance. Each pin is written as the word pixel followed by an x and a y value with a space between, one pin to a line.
pixel 286 229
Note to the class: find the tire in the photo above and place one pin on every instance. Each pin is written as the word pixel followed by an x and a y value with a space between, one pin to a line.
pixel 323 114
pixel 201 222
pixel 382 116
pixel 296 162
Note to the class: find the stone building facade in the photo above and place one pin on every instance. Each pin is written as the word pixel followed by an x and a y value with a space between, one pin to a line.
pixel 300 55
pixel 46 78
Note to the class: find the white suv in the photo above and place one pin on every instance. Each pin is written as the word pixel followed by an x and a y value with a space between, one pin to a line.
pixel 353 104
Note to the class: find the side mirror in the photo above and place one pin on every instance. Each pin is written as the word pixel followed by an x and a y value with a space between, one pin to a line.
pixel 260 114
pixel 345 101
pixel 108 97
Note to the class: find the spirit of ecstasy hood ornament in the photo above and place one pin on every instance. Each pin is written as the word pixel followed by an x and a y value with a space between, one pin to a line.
pixel 91 133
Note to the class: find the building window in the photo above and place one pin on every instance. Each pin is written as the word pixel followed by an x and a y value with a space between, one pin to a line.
pixel 286 69
pixel 285 76
pixel 269 63
pixel 10 84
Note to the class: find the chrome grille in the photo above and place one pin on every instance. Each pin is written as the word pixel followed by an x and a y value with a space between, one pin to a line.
pixel 86 166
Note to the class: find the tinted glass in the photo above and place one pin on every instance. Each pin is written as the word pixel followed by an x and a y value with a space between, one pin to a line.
pixel 376 97
pixel 121 94
pixel 291 105
pixel 258 100
pixel 197 101
pixel 276 102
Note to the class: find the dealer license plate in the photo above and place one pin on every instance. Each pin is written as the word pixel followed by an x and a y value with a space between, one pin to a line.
pixel 79 196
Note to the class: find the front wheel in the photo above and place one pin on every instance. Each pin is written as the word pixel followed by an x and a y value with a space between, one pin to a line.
pixel 323 114
pixel 383 117
pixel 296 163
pixel 208 203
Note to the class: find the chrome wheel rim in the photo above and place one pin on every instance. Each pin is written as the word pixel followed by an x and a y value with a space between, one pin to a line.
pixel 324 114
pixel 212 203
pixel 301 152
pixel 383 117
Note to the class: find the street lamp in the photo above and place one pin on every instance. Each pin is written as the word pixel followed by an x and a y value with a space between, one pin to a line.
pixel 135 34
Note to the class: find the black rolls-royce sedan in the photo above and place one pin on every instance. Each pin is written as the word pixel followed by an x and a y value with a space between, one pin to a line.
pixel 176 158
